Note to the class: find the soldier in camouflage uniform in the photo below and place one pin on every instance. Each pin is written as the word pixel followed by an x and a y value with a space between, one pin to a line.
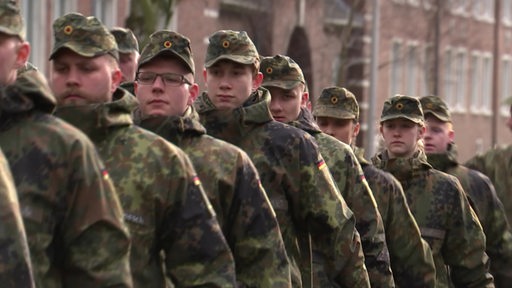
pixel 284 79
pixel 436 199
pixel 337 114
pixel 175 234
pixel 76 238
pixel 312 215
pixel 228 175
pixel 442 155
pixel 15 269
pixel 128 55
pixel 496 164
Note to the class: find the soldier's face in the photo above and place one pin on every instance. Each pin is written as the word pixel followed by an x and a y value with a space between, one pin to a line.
pixel 401 137
pixel 128 65
pixel 164 99
pixel 438 135
pixel 79 80
pixel 344 130
pixel 229 84
pixel 13 55
pixel 285 103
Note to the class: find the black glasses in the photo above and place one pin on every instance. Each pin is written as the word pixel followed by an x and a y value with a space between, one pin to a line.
pixel 171 79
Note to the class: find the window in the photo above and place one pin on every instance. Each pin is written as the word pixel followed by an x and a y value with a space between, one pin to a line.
pixel 428 63
pixel 448 77
pixel 506 10
pixel 106 11
pixel 481 83
pixel 460 81
pixel 62 7
pixel 411 76
pixel 506 86
pixel 396 69
pixel 36 12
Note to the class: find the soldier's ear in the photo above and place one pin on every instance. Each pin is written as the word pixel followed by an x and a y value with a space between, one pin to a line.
pixel 256 81
pixel 22 54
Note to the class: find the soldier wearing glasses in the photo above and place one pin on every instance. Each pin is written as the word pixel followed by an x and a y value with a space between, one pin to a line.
pixel 175 234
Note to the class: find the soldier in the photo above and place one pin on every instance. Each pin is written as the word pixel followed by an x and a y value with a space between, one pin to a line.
pixel 165 88
pixel 15 269
pixel 442 155
pixel 436 199
pixel 175 234
pixel 76 238
pixel 128 55
pixel 496 164
pixel 312 216
pixel 337 114
pixel 284 79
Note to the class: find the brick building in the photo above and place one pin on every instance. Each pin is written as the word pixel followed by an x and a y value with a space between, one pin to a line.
pixel 332 41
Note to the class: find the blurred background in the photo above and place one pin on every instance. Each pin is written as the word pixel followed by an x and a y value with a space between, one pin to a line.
pixel 459 50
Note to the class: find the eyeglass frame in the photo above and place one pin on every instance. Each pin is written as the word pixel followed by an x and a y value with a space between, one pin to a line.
pixel 182 80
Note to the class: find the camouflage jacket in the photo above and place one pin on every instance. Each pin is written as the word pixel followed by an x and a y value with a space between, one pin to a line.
pixel 233 187
pixel 411 258
pixel 349 177
pixel 489 210
pixel 15 267
pixel 445 218
pixel 497 165
pixel 308 205
pixel 72 216
pixel 174 230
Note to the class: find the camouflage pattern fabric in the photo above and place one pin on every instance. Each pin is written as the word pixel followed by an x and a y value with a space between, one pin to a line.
pixel 11 20
pixel 411 258
pixel 445 219
pixel 233 187
pixel 86 36
pixel 76 238
pixel 168 42
pixel 349 178
pixel 402 106
pixel 336 102
pixel 231 45
pixel 125 39
pixel 310 211
pixel 15 265
pixel 174 230
pixel 489 210
pixel 497 165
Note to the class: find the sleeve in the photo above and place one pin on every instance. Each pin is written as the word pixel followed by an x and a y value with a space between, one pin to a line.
pixel 496 229
pixel 411 257
pixel 354 188
pixel 336 244
pixel 93 233
pixel 196 252
pixel 258 247
pixel 464 248
pixel 15 268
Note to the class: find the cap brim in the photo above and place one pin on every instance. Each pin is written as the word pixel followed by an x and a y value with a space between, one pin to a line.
pixel 168 53
pixel 391 117
pixel 332 112
pixel 508 101
pixel 78 48
pixel 287 85
pixel 437 115
pixel 246 60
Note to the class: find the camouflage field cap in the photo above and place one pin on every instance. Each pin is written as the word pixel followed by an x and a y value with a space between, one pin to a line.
pixel 435 106
pixel 281 71
pixel 401 106
pixel 11 21
pixel 86 36
pixel 168 42
pixel 231 45
pixel 336 102
pixel 126 40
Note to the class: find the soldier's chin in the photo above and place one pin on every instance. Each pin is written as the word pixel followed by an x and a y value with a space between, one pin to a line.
pixel 73 101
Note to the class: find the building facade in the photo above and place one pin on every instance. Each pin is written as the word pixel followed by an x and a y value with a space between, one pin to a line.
pixel 462 52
